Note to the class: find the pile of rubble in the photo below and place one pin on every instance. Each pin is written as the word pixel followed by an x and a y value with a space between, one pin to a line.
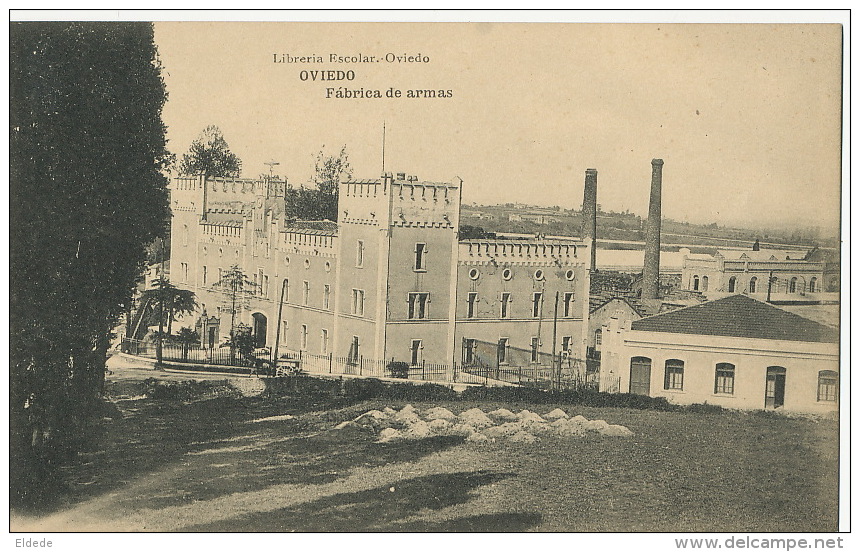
pixel 476 425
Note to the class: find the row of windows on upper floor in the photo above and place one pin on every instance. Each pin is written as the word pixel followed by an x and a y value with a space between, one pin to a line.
pixel 793 285
pixel 724 380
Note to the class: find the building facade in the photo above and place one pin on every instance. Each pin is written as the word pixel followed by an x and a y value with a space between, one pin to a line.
pixel 734 352
pixel 390 280
pixel 731 271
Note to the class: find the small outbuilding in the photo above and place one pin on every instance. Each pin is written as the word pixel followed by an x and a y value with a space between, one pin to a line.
pixel 736 352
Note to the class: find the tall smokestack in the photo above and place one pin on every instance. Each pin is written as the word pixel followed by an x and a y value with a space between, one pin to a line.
pixel 589 213
pixel 651 272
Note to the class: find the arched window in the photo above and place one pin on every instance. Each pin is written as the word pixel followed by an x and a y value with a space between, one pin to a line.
pixel 704 283
pixel 828 385
pixel 792 285
pixel 753 282
pixel 674 375
pixel 732 283
pixel 724 380
pixel 695 283
pixel 812 283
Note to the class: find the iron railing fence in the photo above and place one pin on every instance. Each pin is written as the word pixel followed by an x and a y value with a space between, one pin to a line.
pixel 482 363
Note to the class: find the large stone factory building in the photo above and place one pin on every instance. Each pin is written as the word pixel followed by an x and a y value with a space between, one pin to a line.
pixel 390 280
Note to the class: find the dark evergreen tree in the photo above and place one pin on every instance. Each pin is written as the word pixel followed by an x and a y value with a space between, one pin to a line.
pixel 87 193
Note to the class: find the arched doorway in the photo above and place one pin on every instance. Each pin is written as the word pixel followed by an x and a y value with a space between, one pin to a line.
pixel 260 329
pixel 732 283
pixel 774 393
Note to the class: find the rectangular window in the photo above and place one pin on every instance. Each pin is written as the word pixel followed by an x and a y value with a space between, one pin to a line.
pixel 285 327
pixel 415 352
pixel 419 305
pixel 304 337
pixel 568 304
pixel 324 341
pixel 358 302
pixel 828 385
pixel 503 350
pixel 472 304
pixel 354 353
pixel 205 274
pixel 286 290
pixel 469 346
pixel 306 292
pixel 184 272
pixel 258 280
pixel 724 381
pixel 535 349
pixel 359 253
pixel 266 286
pixel 506 305
pixel 537 303
pixel 565 345
pixel 674 377
pixel 326 296
pixel 420 252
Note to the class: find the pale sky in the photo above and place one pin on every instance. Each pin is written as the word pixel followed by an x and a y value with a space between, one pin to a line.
pixel 746 117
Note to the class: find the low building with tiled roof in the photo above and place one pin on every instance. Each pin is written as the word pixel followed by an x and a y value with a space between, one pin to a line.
pixel 735 352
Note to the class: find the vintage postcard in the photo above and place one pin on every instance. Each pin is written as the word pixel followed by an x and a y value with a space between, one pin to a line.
pixel 569 276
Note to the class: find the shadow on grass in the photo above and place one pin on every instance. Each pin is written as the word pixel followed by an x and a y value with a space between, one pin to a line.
pixel 148 436
pixel 508 522
pixel 381 509
pixel 313 460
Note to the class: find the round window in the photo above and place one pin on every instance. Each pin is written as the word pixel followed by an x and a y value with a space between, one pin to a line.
pixel 220 252
pixel 307 263
pixel 569 275
pixel 474 273
pixel 287 260
pixel 327 266
pixel 538 274
pixel 204 250
pixel 507 274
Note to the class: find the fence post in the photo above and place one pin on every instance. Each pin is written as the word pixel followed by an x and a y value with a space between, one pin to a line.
pixel 423 370
pixel 520 370
pixel 360 365
pixel 330 361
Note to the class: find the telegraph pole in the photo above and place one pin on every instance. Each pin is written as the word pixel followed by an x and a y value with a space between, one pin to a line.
pixel 554 336
pixel 769 284
pixel 278 327
pixel 158 343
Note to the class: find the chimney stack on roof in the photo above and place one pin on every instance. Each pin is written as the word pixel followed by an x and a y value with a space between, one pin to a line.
pixel 589 213
pixel 651 271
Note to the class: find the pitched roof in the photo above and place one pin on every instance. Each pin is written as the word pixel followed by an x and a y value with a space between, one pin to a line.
pixel 739 316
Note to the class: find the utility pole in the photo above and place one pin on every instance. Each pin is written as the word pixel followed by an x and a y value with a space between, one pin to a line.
pixel 158 343
pixel 769 284
pixel 554 336
pixel 278 327
pixel 383 147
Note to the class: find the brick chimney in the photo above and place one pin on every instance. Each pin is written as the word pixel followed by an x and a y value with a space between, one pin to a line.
pixel 651 271
pixel 589 213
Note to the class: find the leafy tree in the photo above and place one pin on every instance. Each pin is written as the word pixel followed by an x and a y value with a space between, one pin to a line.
pixel 186 338
pixel 169 300
pixel 87 193
pixel 210 155
pixel 241 342
pixel 236 285
pixel 320 203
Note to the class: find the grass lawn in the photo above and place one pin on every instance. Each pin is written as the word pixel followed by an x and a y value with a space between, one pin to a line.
pixel 217 464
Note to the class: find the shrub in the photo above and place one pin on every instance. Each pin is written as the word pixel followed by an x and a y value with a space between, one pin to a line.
pixel 183 390
pixel 398 369
pixel 420 392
